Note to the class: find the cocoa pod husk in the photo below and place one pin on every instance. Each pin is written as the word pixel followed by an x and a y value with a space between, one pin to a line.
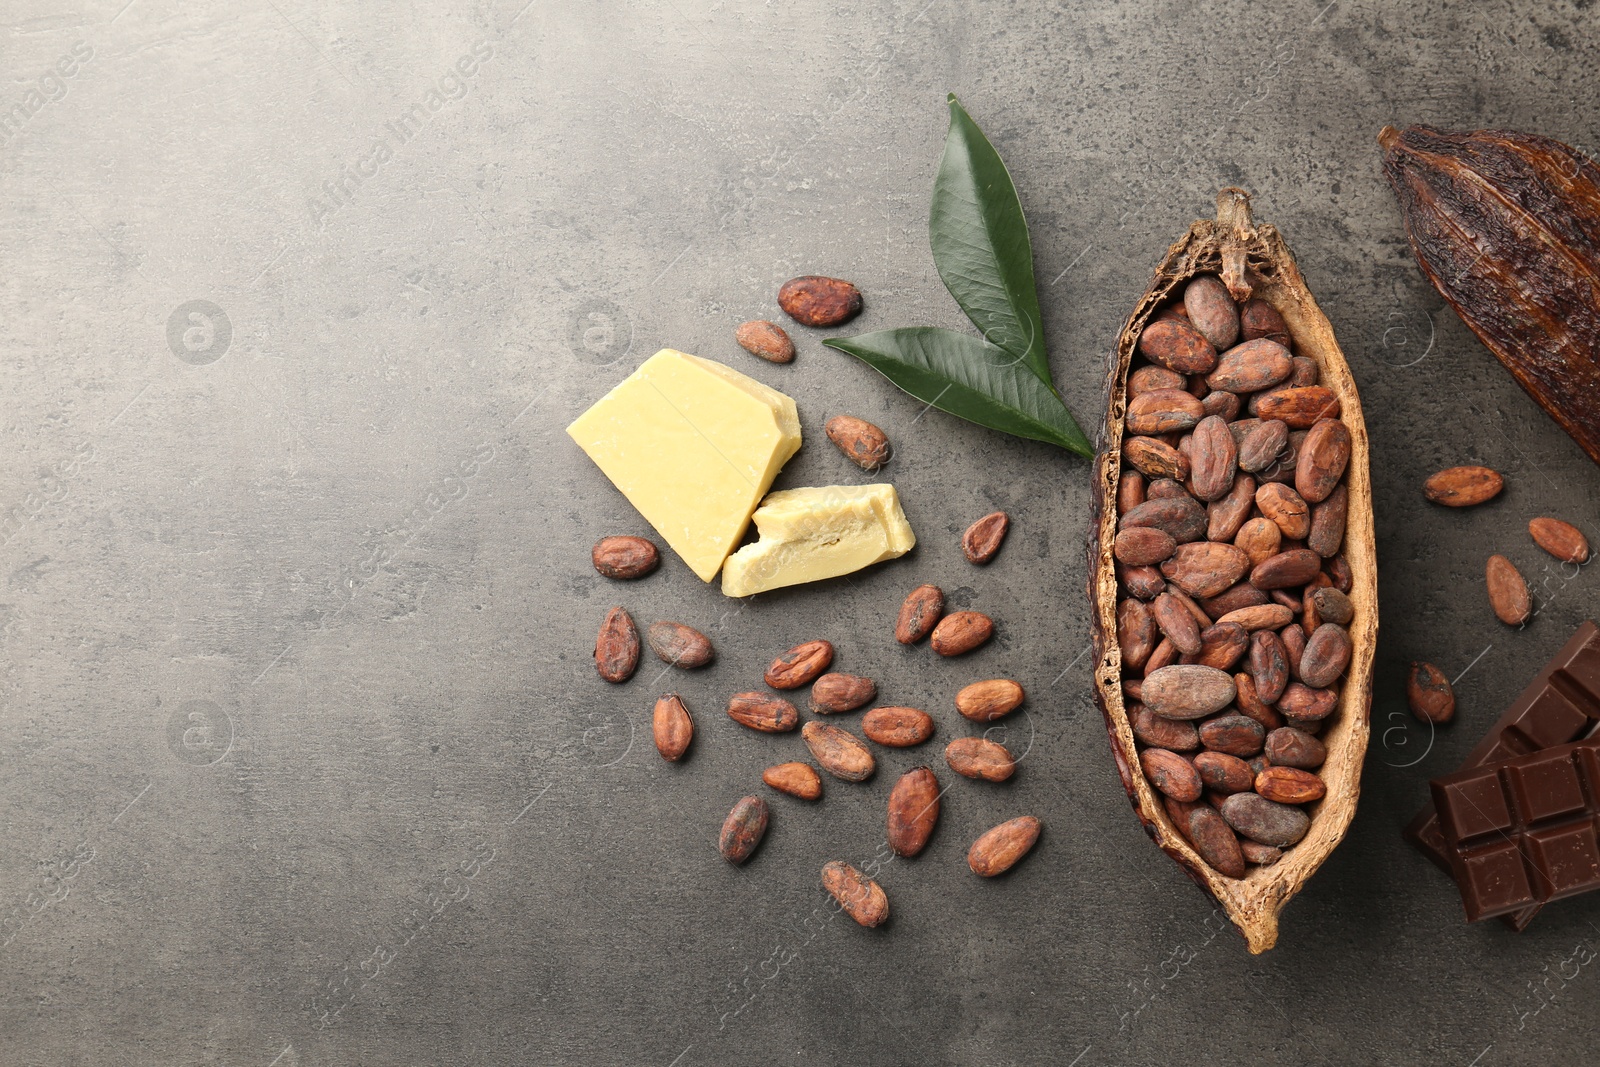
pixel 616 647
pixel 1001 848
pixel 1506 226
pixel 625 557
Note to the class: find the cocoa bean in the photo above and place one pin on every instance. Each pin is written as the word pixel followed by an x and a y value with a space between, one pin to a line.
pixel 1137 633
pixel 1200 617
pixel 616 648
pixel 1132 690
pixel 1283 467
pixel 1260 319
pixel 1259 854
pixel 1142 546
pixel 1326 656
pixel 1463 487
pixel 1289 747
pixel 1294 567
pixel 1227 514
pixel 1145 583
pixel 1177 346
pixel 913 811
pixel 813 300
pixel 976 757
pixel 1259 617
pixel 764 712
pixel 861 898
pixel 1174 620
pixel 1224 773
pixel 1211 837
pixel 1234 734
pixel 1290 785
pixel 1152 729
pixel 1301 704
pixel 1163 411
pixel 1154 458
pixel 896 727
pixel 1148 379
pixel 1251 705
pixel 1181 518
pixel 1305 372
pixel 801 665
pixel 1326 536
pixel 1260 539
pixel 1165 655
pixel 1221 403
pixel 1162 488
pixel 1339 570
pixel 1261 446
pixel 983 538
pixel 1286 509
pixel 1170 773
pixel 1221 645
pixel 1130 492
pixel 797 779
pixel 838 751
pixel 1294 642
pixel 1299 406
pixel 921 612
pixel 1429 694
pixel 1213 461
pixel 1211 310
pixel 1562 540
pixel 1205 568
pixel 988 700
pixel 1322 461
pixel 861 442
pixel 1264 821
pixel 1251 367
pixel 1239 595
pixel 1508 591
pixel 1001 848
pixel 680 645
pixel 1269 665
pixel 834 693
pixel 1187 691
pixel 960 632
pixel 765 339
pixel 625 558
pixel 743 829
pixel 1333 606
pixel 671 727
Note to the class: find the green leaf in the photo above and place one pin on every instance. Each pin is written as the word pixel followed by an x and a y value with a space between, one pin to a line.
pixel 981 248
pixel 962 375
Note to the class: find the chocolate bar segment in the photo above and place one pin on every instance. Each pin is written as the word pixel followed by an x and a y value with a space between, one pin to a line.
pixel 1524 831
pixel 1560 705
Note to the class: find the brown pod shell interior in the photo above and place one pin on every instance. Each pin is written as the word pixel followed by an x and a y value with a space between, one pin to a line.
pixel 1255 263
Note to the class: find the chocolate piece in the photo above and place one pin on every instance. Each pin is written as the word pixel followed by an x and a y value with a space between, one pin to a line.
pixel 1558 707
pixel 1523 831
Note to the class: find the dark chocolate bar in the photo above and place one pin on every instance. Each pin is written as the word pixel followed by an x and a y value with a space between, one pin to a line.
pixel 1523 831
pixel 1559 706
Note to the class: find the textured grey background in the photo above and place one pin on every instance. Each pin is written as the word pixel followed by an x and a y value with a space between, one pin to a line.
pixel 304 757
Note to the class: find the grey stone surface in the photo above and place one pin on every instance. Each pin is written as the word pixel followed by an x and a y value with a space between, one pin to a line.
pixel 305 760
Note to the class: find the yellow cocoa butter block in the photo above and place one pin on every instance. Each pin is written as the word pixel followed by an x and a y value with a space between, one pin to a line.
pixel 693 445
pixel 822 532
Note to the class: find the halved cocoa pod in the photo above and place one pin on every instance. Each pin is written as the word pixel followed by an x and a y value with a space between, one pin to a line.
pixel 1255 265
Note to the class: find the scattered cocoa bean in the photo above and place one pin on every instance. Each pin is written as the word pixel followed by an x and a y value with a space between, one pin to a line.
pixel 976 757
pixel 797 779
pixel 913 811
pixel 625 558
pixel 671 727
pixel 679 645
pixel 801 665
pixel 984 537
pixel 764 712
pixel 960 632
pixel 1562 540
pixel 1463 487
pixel 1001 848
pixel 814 300
pixel 896 727
pixel 921 612
pixel 861 898
pixel 616 648
pixel 861 442
pixel 743 829
pixel 765 339
pixel 988 700
pixel 1429 694
pixel 834 693
pixel 838 751
pixel 1508 591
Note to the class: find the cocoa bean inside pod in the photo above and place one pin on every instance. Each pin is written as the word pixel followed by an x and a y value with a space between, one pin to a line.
pixel 1150 378
pixel 1177 346
pixel 1263 444
pixel 1328 520
pixel 1234 734
pixel 1226 515
pixel 1286 509
pixel 1171 774
pixel 1130 492
pixel 1287 569
pixel 1152 729
pixel 1187 691
pixel 1260 319
pixel 1269 665
pixel 1289 747
pixel 1164 410
pixel 1299 406
pixel 1211 310
pixel 1214 840
pixel 1327 654
pixel 1174 620
pixel 1213 460
pixel 1221 645
pixel 1137 633
pixel 1290 785
pixel 1143 546
pixel 1206 568
pixel 1322 460
pixel 1260 539
pixel 1165 488
pixel 1265 821
pixel 1223 772
pixel 1251 367
pixel 1333 606
pixel 1181 518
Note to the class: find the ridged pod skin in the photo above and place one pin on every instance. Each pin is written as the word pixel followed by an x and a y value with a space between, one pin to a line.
pixel 1506 226
pixel 1254 263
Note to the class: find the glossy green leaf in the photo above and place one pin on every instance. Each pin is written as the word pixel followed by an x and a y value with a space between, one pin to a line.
pixel 962 375
pixel 981 247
